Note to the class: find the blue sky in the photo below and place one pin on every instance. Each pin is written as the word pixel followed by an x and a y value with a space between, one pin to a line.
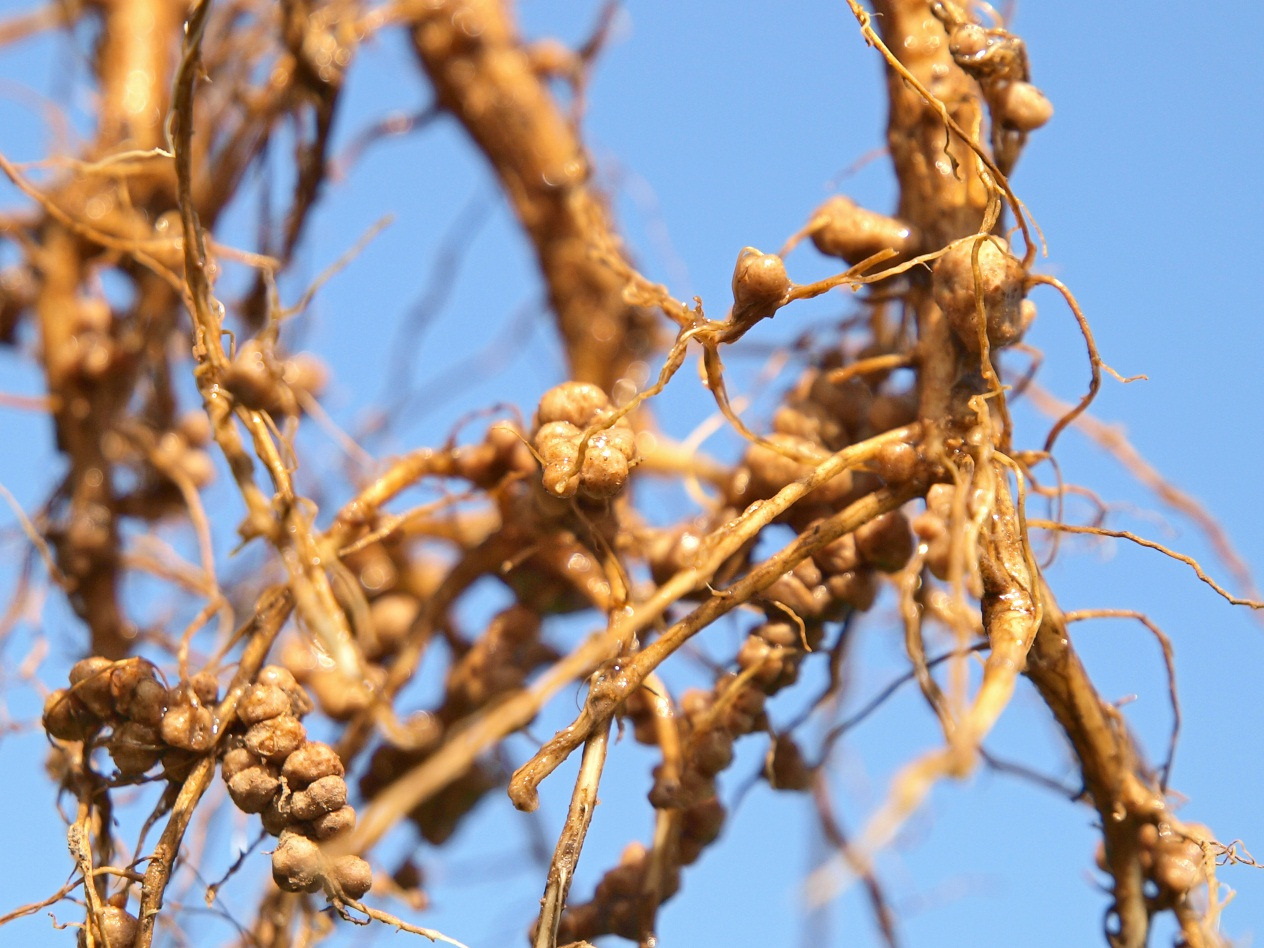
pixel 722 125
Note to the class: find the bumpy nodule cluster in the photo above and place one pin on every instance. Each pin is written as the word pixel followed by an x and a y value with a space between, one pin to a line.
pixel 147 722
pixel 269 765
pixel 141 722
pixel 296 786
pixel 564 413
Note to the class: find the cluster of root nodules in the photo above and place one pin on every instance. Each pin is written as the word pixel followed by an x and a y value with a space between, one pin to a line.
pixel 295 785
pixel 152 731
pixel 126 707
